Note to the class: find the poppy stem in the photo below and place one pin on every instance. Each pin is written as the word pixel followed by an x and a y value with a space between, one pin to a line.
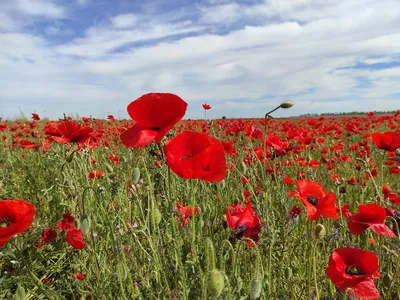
pixel 315 259
pixel 265 128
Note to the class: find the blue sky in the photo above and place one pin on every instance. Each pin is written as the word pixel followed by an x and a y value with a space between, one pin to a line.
pixel 93 57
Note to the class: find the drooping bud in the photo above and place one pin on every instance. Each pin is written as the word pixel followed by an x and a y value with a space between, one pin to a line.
pixel 85 224
pixel 319 231
pixel 215 283
pixel 288 272
pixel 135 175
pixel 109 168
pixel 156 216
pixel 256 288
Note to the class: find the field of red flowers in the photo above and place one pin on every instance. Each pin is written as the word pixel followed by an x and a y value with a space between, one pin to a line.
pixel 163 208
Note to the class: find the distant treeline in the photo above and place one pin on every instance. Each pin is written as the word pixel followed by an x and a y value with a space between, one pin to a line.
pixel 349 113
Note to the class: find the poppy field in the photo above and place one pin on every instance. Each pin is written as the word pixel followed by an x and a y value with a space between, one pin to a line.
pixel 159 207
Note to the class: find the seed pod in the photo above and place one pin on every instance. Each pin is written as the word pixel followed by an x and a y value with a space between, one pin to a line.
pixel 215 283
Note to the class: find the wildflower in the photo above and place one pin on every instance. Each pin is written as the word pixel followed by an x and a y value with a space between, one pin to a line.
pixel 67 222
pixel 355 269
pixel 196 155
pixel 74 238
pixel 243 222
pixel 314 197
pixel 15 217
pixel 369 216
pixel 155 114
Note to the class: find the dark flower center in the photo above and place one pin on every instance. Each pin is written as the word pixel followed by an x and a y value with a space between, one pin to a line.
pixel 352 270
pixel 155 128
pixel 4 223
pixel 313 200
pixel 238 232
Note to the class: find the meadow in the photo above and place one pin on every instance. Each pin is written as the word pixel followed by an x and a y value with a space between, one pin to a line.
pixel 163 208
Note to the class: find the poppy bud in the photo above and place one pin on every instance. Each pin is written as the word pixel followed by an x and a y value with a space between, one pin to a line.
pixel 287 104
pixel 20 293
pixel 288 272
pixel 122 272
pixel 201 223
pixel 70 157
pixel 109 168
pixel 255 288
pixel 319 231
pixel 85 224
pixel 215 283
pixel 135 175
pixel 156 216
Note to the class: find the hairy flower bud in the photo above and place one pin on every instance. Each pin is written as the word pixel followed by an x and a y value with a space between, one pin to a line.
pixel 319 231
pixel 215 283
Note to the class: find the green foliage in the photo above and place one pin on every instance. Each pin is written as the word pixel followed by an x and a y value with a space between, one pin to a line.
pixel 136 248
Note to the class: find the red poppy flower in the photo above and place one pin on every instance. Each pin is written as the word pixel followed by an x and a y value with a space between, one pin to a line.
pixel 196 155
pixel 67 222
pixel 35 117
pixel 155 114
pixel 111 118
pixel 15 217
pixel 315 199
pixel 229 149
pixel 388 141
pixel 184 213
pixel 48 235
pixel 79 276
pixel 114 159
pixel 370 215
pixel 206 106
pixel 27 144
pixel 295 212
pixel 243 222
pixel 288 180
pixel 74 238
pixel 355 269
pixel 95 174
pixel 3 127
pixel 68 132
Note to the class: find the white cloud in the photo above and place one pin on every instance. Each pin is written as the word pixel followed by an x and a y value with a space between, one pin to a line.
pixel 221 14
pixel 44 8
pixel 102 40
pixel 124 21
pixel 379 60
